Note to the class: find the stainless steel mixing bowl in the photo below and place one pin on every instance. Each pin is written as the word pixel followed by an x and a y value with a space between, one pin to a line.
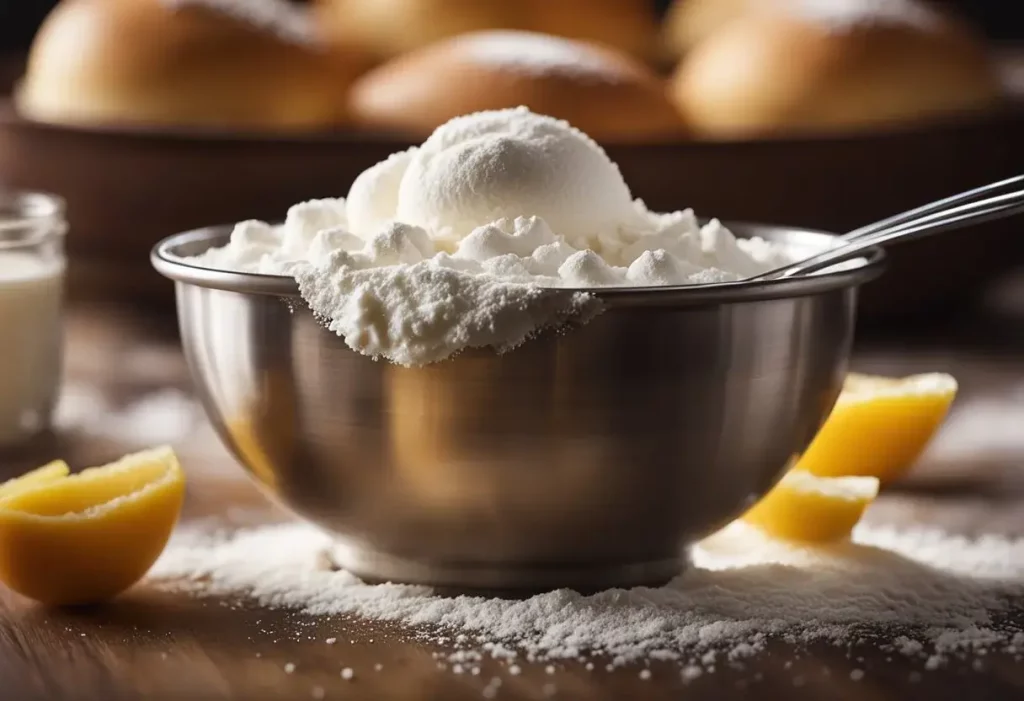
pixel 587 459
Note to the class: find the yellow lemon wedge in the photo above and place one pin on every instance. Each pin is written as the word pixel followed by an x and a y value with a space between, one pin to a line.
pixel 50 472
pixel 83 538
pixel 879 426
pixel 803 507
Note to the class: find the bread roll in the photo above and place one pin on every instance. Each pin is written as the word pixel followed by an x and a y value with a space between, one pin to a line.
pixel 689 21
pixel 152 62
pixel 818 66
pixel 391 27
pixel 627 25
pixel 606 94
pixel 388 28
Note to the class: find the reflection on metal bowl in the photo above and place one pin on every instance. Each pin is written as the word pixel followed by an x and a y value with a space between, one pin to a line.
pixel 583 459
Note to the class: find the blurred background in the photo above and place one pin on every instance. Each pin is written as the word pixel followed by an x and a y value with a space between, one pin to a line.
pixel 155 116
pixel 1000 19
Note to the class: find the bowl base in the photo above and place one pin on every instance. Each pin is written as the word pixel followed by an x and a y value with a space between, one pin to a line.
pixel 504 580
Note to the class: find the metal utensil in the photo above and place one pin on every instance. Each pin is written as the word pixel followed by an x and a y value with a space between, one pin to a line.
pixel 942 215
pixel 588 459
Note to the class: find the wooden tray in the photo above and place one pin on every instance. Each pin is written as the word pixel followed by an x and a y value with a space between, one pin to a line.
pixel 126 189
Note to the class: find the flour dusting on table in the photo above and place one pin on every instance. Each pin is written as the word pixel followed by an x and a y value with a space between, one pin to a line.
pixel 921 593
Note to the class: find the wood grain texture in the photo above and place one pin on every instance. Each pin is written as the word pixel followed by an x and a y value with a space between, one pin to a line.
pixel 155 645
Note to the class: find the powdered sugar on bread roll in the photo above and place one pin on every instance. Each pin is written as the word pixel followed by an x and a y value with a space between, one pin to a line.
pixel 832 65
pixel 608 94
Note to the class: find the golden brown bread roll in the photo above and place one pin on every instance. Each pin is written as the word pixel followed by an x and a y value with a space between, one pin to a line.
pixel 391 27
pixel 605 93
pixel 152 62
pixel 689 21
pixel 627 25
pixel 817 67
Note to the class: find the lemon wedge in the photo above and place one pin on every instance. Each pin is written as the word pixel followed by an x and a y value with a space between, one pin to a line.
pixel 880 426
pixel 87 537
pixel 50 472
pixel 812 509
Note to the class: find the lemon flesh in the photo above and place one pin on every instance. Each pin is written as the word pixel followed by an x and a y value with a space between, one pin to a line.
pixel 806 508
pixel 880 426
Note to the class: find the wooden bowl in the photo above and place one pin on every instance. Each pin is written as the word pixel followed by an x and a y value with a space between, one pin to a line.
pixel 126 189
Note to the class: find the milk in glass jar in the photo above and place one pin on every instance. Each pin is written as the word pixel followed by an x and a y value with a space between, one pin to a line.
pixel 32 227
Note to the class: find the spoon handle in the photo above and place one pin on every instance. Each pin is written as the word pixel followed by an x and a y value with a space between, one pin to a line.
pixel 936 206
pixel 942 215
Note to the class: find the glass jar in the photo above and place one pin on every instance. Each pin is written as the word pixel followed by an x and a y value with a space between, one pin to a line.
pixel 32 227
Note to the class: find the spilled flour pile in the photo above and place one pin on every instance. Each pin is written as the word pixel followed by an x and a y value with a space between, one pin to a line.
pixel 922 594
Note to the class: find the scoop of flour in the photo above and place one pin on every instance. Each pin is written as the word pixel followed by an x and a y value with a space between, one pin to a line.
pixel 461 242
pixel 483 167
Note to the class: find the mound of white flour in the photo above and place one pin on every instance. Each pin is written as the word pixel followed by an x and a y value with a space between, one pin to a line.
pixel 499 225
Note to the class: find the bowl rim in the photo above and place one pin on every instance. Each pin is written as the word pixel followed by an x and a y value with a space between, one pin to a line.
pixel 167 261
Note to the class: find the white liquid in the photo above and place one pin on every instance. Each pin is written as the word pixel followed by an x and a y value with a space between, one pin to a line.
pixel 30 343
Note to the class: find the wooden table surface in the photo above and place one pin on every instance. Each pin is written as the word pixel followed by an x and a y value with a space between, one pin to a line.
pixel 126 387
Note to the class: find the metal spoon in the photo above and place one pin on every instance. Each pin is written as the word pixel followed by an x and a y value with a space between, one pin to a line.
pixel 942 215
